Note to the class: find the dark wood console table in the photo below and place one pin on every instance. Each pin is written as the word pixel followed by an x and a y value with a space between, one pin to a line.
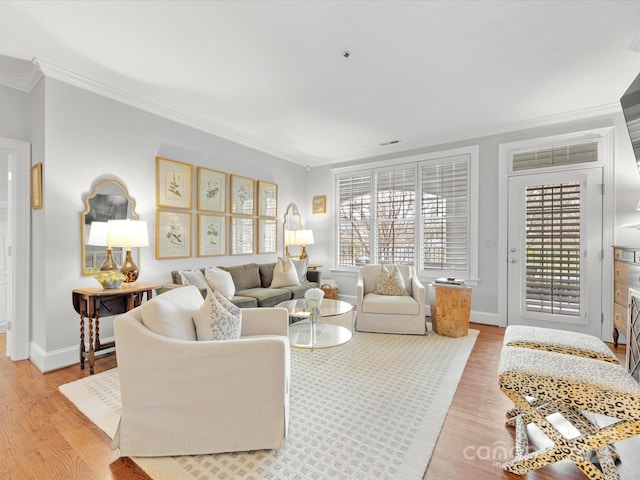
pixel 92 303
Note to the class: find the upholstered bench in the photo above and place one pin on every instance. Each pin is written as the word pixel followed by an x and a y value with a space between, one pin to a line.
pixel 541 383
pixel 558 341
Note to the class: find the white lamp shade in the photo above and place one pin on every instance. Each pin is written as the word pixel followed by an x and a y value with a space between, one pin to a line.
pixel 304 237
pixel 98 234
pixel 128 233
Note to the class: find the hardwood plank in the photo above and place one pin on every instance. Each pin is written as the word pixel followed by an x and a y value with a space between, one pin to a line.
pixel 45 437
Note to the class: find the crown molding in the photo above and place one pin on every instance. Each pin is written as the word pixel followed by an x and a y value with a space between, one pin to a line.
pixel 58 73
pixel 38 68
pixel 25 82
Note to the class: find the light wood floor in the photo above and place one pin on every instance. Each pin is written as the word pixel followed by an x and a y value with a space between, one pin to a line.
pixel 44 437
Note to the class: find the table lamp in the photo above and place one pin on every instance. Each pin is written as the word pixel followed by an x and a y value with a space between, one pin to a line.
pixel 304 238
pixel 98 237
pixel 128 233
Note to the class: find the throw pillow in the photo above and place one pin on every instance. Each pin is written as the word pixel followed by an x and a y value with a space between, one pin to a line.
pixel 301 268
pixel 193 277
pixel 390 283
pixel 220 280
pixel 285 274
pixel 231 307
pixel 214 322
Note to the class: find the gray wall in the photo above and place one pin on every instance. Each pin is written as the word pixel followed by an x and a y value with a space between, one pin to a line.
pixel 485 294
pixel 80 136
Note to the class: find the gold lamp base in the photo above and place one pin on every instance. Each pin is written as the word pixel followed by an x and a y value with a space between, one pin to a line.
pixel 303 253
pixel 109 263
pixel 129 269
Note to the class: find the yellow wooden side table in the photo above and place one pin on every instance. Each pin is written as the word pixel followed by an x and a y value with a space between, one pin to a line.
pixel 450 309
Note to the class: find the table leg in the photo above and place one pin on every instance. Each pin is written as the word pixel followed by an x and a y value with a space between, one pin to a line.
pixel 616 336
pixel 82 348
pixel 92 351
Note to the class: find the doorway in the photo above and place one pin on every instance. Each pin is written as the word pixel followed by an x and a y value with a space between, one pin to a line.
pixel 16 157
pixel 555 249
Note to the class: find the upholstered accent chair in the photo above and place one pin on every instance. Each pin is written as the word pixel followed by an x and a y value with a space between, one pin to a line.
pixel 379 311
pixel 181 396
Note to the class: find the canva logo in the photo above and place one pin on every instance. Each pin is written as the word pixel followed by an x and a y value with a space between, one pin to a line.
pixel 498 452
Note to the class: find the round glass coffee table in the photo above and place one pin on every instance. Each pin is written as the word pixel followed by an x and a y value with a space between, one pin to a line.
pixel 319 329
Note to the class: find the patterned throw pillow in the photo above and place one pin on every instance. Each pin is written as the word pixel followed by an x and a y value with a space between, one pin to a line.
pixel 390 283
pixel 285 274
pixel 214 322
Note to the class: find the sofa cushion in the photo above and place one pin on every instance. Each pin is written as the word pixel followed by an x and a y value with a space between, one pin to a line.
pixel 266 274
pixel 171 314
pixel 244 302
pixel 267 297
pixel 245 276
pixel 220 280
pixel 390 282
pixel 284 274
pixel 299 290
pixel 386 304
pixel 215 321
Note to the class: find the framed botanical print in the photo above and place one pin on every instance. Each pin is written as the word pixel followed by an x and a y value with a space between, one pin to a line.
pixel 319 204
pixel 36 186
pixel 242 241
pixel 267 235
pixel 174 182
pixel 212 190
pixel 242 195
pixel 173 234
pixel 267 199
pixel 212 235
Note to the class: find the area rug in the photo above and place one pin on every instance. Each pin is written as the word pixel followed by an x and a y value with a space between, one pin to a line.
pixel 372 408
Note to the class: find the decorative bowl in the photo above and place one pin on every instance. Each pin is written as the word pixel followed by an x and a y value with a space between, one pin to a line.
pixel 110 279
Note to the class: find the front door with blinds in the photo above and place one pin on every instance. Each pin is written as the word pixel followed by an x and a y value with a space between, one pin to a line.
pixel 555 250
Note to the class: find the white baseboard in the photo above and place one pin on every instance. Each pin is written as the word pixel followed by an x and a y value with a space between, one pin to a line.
pixel 56 359
pixel 3 327
pixel 484 318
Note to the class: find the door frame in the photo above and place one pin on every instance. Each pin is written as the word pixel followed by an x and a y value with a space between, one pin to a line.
pixel 19 241
pixel 605 139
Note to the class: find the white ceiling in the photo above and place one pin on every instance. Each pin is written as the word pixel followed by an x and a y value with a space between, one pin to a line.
pixel 272 75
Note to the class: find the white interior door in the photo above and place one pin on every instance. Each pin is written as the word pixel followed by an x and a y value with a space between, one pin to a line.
pixel 555 250
pixel 4 273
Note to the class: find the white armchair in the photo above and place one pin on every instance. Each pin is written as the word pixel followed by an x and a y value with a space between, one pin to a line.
pixel 185 397
pixel 388 313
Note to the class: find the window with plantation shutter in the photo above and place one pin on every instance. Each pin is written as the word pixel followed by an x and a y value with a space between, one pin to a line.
pixel 553 249
pixel 416 213
pixel 445 214
pixel 396 215
pixel 354 217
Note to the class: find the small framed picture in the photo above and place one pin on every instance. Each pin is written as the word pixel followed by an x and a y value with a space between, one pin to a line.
pixel 319 204
pixel 36 186
pixel 267 199
pixel 174 182
pixel 173 234
pixel 212 190
pixel 242 239
pixel 242 195
pixel 267 235
pixel 212 235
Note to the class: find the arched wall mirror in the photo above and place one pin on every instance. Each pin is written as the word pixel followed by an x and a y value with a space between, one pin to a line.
pixel 108 200
pixel 292 222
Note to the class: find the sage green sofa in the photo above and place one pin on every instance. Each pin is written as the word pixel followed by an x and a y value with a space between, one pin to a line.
pixel 252 281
